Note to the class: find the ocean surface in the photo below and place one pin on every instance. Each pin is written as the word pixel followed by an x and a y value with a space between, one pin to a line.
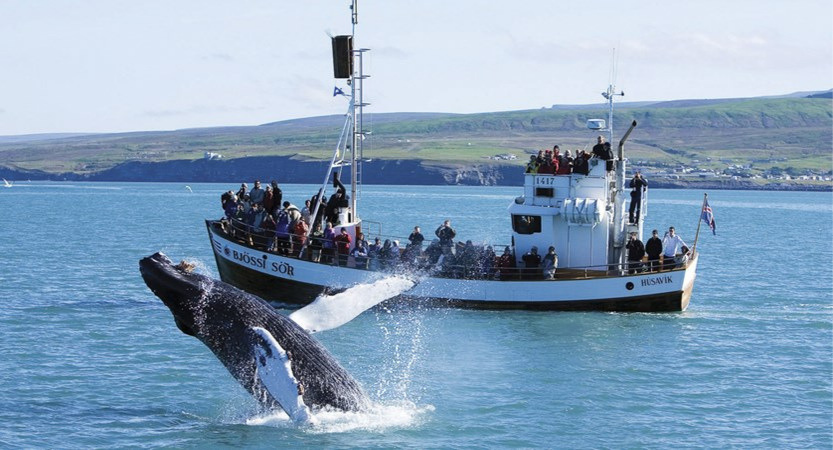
pixel 89 357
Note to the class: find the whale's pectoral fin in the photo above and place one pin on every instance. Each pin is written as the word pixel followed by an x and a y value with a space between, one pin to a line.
pixel 274 369
pixel 332 311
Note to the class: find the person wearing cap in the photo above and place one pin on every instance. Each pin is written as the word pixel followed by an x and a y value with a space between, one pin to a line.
pixel 653 248
pixel 532 263
pixel 638 186
pixel 636 251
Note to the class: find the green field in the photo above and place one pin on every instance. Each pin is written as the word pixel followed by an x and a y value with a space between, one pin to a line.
pixel 792 134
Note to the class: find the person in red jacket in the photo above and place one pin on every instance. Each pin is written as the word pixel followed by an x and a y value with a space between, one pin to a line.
pixel 343 242
pixel 506 265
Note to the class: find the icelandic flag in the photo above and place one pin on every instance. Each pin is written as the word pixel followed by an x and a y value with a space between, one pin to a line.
pixel 708 216
pixel 337 91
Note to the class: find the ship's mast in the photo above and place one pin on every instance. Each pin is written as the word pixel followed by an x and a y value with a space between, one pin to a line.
pixel 356 81
pixel 618 229
pixel 354 13
pixel 346 65
pixel 609 94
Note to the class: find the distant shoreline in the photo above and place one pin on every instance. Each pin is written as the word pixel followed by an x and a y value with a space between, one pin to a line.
pixel 377 172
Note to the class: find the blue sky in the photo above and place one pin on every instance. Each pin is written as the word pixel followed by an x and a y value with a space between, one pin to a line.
pixel 113 65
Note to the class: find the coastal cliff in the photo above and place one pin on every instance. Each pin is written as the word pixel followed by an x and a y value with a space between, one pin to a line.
pixel 287 170
pixel 391 172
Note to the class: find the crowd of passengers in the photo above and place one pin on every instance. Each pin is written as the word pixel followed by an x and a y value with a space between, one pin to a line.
pixel 265 219
pixel 553 162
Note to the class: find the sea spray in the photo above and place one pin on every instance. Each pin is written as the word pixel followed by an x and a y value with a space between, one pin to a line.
pixel 403 348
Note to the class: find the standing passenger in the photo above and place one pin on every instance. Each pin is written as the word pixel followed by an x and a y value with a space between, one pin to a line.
pixel 636 251
pixel 268 200
pixel 306 212
pixel 532 263
pixel 343 241
pixel 243 193
pixel 446 235
pixel 277 195
pixel 550 263
pixel 580 164
pixel 564 164
pixel 653 248
pixel 360 251
pixel 416 239
pixel 487 262
pixel 506 264
pixel 545 166
pixel 257 193
pixel 329 244
pixel 532 165
pixel 671 242
pixel 639 185
pixel 282 232
pixel 299 237
pixel 373 253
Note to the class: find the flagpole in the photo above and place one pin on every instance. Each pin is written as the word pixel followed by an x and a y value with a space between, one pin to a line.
pixel 699 222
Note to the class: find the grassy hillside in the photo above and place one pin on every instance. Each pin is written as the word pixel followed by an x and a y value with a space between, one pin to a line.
pixel 786 133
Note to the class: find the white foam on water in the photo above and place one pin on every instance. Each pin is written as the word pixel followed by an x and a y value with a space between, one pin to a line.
pixel 332 311
pixel 376 418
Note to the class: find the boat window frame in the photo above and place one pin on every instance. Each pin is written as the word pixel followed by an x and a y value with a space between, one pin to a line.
pixel 532 226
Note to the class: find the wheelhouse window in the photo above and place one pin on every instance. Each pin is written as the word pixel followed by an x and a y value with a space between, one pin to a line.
pixel 526 224
pixel 544 192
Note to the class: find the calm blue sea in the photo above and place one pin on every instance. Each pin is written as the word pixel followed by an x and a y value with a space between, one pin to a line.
pixel 90 358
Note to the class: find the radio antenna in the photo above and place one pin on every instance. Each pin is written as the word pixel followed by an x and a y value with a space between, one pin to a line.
pixel 609 94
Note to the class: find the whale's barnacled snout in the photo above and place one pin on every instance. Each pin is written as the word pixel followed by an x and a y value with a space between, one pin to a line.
pixel 175 285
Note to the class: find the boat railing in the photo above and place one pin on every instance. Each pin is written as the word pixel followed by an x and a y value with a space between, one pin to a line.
pixel 472 263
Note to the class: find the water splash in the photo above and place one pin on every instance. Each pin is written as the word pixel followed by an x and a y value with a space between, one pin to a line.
pixel 403 333
pixel 377 418
pixel 201 267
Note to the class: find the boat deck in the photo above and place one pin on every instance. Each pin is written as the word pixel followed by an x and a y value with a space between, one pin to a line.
pixel 458 268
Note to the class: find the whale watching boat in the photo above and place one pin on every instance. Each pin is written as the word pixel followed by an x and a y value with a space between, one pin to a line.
pixel 583 215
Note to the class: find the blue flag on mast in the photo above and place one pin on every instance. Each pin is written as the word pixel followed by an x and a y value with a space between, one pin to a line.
pixel 337 91
pixel 708 216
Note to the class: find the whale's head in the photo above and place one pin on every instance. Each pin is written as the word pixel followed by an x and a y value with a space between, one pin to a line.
pixel 177 286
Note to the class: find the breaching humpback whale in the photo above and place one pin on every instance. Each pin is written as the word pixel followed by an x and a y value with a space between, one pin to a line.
pixel 274 359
